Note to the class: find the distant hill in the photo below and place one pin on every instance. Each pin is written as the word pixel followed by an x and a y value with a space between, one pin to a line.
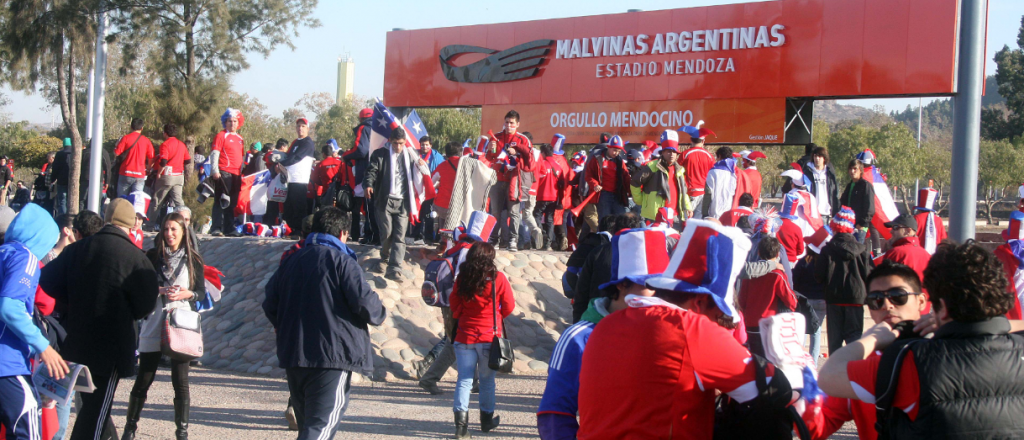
pixel 834 113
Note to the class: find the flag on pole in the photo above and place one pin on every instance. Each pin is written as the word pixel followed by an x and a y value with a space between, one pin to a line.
pixel 252 198
pixel 384 121
pixel 885 207
pixel 414 127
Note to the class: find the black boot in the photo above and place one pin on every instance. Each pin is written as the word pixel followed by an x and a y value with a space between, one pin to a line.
pixel 488 421
pixel 135 405
pixel 462 424
pixel 181 418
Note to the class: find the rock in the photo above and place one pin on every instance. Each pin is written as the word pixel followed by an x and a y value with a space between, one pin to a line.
pixel 391 355
pixel 533 256
pixel 530 271
pixel 407 354
pixel 519 263
pixel 538 366
pixel 265 369
pixel 396 343
pixel 378 337
pixel 501 261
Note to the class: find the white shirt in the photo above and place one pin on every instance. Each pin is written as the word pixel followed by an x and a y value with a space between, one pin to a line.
pixel 821 190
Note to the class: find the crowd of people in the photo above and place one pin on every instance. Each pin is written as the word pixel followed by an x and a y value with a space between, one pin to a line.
pixel 697 306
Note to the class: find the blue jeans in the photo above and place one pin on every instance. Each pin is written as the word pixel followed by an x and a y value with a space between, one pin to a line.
pixel 63 414
pixel 608 204
pixel 127 185
pixel 819 308
pixel 471 358
pixel 61 202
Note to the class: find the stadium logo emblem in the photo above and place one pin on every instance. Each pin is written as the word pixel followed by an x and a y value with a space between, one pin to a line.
pixel 519 62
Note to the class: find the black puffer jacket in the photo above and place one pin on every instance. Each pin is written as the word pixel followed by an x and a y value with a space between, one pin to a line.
pixel 106 284
pixel 843 266
pixel 596 271
pixel 321 307
pixel 860 196
pixel 972 384
pixel 579 256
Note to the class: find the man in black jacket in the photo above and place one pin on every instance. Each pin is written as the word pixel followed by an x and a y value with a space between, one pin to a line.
pixel 579 256
pixel 299 165
pixel 105 284
pixel 843 266
pixel 320 306
pixel 61 169
pixel 387 185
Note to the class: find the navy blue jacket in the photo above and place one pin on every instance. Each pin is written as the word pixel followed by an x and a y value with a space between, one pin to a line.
pixel 321 308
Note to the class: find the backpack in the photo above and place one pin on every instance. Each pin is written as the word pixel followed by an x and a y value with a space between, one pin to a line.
pixel 767 416
pixel 438 281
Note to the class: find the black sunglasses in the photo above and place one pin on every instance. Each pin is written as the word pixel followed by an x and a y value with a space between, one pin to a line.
pixel 897 296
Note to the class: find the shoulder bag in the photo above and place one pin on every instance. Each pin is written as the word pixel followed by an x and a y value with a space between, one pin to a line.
pixel 182 335
pixel 501 356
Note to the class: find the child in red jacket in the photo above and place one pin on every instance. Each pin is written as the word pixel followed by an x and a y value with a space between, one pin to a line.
pixel 765 296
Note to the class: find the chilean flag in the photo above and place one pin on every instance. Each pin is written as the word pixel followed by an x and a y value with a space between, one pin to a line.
pixel 214 287
pixel 819 239
pixel 382 124
pixel 885 207
pixel 252 198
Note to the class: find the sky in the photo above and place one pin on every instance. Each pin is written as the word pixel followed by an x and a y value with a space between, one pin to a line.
pixel 358 29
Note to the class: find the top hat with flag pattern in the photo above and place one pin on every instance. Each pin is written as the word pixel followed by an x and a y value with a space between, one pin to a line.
pixel 819 239
pixel 844 221
pixel 479 227
pixel 1015 230
pixel 558 143
pixel 140 201
pixel 637 254
pixel 697 132
pixel 790 207
pixel 926 199
pixel 866 157
pixel 707 260
pixel 670 140
pixel 751 156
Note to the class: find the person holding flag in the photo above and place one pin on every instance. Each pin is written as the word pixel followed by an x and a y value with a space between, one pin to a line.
pixel 393 184
pixel 929 226
pixel 510 155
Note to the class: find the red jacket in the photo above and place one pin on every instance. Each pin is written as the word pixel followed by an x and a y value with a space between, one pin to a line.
pixel 568 176
pixel 908 251
pixel 550 179
pixel 524 163
pixel 792 239
pixel 697 162
pixel 476 316
pixel 594 173
pixel 922 225
pixel 444 179
pixel 758 296
pixel 683 359
pixel 325 172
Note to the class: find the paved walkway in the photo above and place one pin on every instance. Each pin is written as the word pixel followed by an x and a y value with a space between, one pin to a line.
pixel 236 406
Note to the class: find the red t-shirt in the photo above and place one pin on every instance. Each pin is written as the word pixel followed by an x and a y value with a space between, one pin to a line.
pixel 673 189
pixel 697 162
pixel 683 358
pixel 791 237
pixel 444 177
pixel 134 164
pixel 864 374
pixel 231 148
pixel 476 316
pixel 758 296
pixel 825 420
pixel 175 153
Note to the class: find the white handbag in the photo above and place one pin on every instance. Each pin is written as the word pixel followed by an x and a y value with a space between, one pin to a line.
pixel 182 336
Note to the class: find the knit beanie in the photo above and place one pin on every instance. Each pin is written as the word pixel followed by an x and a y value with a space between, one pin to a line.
pixel 844 221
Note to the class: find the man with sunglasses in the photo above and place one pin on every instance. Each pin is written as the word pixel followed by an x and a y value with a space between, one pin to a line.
pixel 892 299
pixel 965 382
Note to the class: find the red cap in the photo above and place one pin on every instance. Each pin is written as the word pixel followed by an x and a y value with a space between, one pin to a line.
pixel 302 120
pixel 366 113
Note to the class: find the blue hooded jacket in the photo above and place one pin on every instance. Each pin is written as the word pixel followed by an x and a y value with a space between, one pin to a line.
pixel 29 237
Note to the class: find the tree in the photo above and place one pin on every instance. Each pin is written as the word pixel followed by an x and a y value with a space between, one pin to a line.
pixel 47 46
pixel 1005 124
pixel 339 120
pixel 998 171
pixel 201 43
pixel 453 124
pixel 32 152
pixel 897 154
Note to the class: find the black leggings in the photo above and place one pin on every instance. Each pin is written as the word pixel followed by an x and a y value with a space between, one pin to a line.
pixel 148 363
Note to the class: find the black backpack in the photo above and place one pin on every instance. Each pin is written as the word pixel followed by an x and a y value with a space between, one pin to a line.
pixel 767 416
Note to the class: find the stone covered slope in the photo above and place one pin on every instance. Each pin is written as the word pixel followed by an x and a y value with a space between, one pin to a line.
pixel 238 336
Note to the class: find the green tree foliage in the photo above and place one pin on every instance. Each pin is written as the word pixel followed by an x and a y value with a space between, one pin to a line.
pixel 454 124
pixel 999 165
pixel 339 120
pixel 200 43
pixel 997 123
pixel 32 152
pixel 47 47
pixel 260 126
pixel 936 119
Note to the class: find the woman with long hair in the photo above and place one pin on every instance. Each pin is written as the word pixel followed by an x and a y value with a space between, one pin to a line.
pixel 179 270
pixel 480 290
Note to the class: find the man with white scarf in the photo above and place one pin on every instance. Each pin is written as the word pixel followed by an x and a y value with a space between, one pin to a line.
pixel 394 185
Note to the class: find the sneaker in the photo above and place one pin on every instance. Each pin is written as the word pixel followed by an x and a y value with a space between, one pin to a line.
pixel 394 275
pixel 430 387
pixel 512 247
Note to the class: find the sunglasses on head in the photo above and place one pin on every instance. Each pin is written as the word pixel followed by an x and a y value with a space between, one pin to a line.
pixel 898 297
